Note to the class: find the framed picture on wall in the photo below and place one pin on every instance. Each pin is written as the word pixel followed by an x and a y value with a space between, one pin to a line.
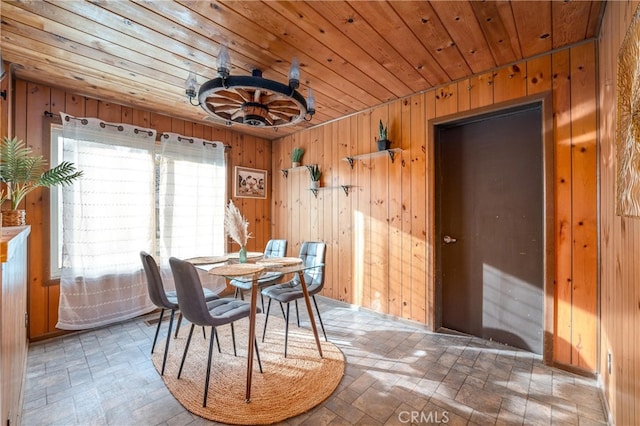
pixel 249 183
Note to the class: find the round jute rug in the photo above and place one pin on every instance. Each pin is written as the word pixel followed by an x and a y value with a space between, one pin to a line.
pixel 287 387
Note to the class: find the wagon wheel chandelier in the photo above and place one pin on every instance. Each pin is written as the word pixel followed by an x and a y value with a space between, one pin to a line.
pixel 251 100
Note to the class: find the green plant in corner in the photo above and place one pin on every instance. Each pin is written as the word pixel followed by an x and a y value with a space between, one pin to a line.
pixel 296 155
pixel 23 172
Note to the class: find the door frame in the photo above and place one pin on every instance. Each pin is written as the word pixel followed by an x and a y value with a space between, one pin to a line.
pixel 546 103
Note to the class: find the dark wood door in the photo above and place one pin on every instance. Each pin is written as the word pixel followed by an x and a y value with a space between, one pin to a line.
pixel 489 213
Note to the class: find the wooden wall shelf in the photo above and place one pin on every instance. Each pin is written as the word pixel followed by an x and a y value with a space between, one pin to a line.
pixel 391 152
pixel 285 172
pixel 345 188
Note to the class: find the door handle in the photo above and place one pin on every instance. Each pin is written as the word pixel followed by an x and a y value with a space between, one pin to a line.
pixel 448 240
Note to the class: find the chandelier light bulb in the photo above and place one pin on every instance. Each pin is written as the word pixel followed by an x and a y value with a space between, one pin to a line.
pixel 191 85
pixel 294 74
pixel 223 61
pixel 311 102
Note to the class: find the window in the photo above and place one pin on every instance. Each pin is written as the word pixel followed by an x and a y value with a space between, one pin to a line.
pixel 186 186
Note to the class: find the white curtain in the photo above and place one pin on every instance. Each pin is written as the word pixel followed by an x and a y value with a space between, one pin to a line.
pixel 108 218
pixel 191 202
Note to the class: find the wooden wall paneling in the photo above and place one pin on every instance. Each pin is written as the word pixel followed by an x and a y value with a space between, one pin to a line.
pixel 58 104
pixel 141 118
pixel 464 95
pixel 379 202
pixel 325 144
pixel 304 195
pixel 275 173
pixel 284 222
pixel 510 82
pixel 538 75
pixel 395 190
pixel 406 162
pixel 263 161
pixel 74 105
pixel 32 101
pixel 563 208
pixel 607 56
pixel 161 123
pixel 91 107
pixel 584 161
pixel 426 141
pixel 419 203
pixel 446 100
pixel 277 156
pixel 346 144
pixel 332 161
pixel 481 90
pixel 362 212
pixel 5 103
pixel 315 217
pixel 126 115
pixel 197 130
pixel 109 112
pixel 178 126
pixel 294 210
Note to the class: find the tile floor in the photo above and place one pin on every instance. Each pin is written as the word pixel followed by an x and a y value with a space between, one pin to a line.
pixel 397 373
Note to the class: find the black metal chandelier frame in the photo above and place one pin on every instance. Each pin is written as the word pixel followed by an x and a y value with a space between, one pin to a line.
pixel 252 100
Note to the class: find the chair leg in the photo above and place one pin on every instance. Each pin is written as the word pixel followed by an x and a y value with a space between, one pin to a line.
pixel 218 341
pixel 155 338
pixel 255 342
pixel 233 338
pixel 286 331
pixel 175 336
pixel 262 301
pixel 282 309
pixel 206 381
pixel 266 318
pixel 297 314
pixel 320 318
pixel 238 292
pixel 186 348
pixel 204 333
pixel 166 346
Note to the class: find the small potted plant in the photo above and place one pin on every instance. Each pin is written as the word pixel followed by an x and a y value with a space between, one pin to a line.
pixel 383 142
pixel 23 172
pixel 315 173
pixel 296 156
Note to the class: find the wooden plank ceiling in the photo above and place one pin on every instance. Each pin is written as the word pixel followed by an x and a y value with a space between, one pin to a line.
pixel 354 54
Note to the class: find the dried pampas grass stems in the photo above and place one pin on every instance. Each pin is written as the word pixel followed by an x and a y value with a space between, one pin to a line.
pixel 237 227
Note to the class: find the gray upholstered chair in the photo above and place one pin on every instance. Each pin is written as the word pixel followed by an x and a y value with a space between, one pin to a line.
pixel 163 300
pixel 312 254
pixel 274 248
pixel 199 312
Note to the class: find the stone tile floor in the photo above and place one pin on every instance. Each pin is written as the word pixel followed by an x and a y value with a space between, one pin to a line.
pixel 397 373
